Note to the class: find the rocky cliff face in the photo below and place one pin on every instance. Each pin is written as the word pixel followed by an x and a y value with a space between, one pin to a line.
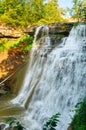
pixel 9 32
pixel 56 31
pixel 60 28
pixel 54 28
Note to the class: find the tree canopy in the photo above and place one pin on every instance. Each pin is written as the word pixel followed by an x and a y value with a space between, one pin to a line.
pixel 24 12
pixel 79 10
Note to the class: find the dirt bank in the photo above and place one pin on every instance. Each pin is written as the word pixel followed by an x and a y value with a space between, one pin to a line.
pixel 11 61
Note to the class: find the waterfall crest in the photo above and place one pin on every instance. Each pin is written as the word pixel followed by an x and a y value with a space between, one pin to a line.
pixel 56 78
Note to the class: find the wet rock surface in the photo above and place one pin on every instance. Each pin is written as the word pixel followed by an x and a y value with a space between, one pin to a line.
pixel 60 28
pixel 70 128
pixel 4 89
pixel 2 125
pixel 54 28
pixel 57 31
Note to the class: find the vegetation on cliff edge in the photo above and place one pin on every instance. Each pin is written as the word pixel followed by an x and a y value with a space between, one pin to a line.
pixel 24 43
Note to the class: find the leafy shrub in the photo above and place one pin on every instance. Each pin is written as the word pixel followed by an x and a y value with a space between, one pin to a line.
pixel 79 120
pixel 2 44
pixel 75 24
pixel 52 122
pixel 1 47
pixel 24 43
pixel 13 123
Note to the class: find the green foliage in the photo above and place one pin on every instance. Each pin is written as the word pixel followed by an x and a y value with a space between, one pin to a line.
pixel 12 12
pixel 79 10
pixel 13 123
pixel 52 12
pixel 75 24
pixel 52 122
pixel 2 47
pixel 79 120
pixel 20 13
pixel 27 42
pixel 24 43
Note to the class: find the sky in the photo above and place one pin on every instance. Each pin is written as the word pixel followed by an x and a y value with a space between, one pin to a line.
pixel 65 3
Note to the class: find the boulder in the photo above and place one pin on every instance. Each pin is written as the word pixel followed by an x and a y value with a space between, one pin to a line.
pixel 3 89
pixel 2 125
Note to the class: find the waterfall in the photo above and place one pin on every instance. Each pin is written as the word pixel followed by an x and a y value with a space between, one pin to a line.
pixel 55 80
pixel 36 64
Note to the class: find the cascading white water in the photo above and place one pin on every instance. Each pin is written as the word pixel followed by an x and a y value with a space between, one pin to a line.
pixel 35 66
pixel 55 79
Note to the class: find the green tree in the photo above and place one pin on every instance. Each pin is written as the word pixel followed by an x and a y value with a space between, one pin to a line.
pixel 20 13
pixel 13 12
pixel 79 10
pixel 52 12
pixel 36 10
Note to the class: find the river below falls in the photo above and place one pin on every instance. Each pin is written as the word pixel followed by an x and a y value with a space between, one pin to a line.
pixel 8 109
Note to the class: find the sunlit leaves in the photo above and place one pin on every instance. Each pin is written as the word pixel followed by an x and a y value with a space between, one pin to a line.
pixel 52 122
